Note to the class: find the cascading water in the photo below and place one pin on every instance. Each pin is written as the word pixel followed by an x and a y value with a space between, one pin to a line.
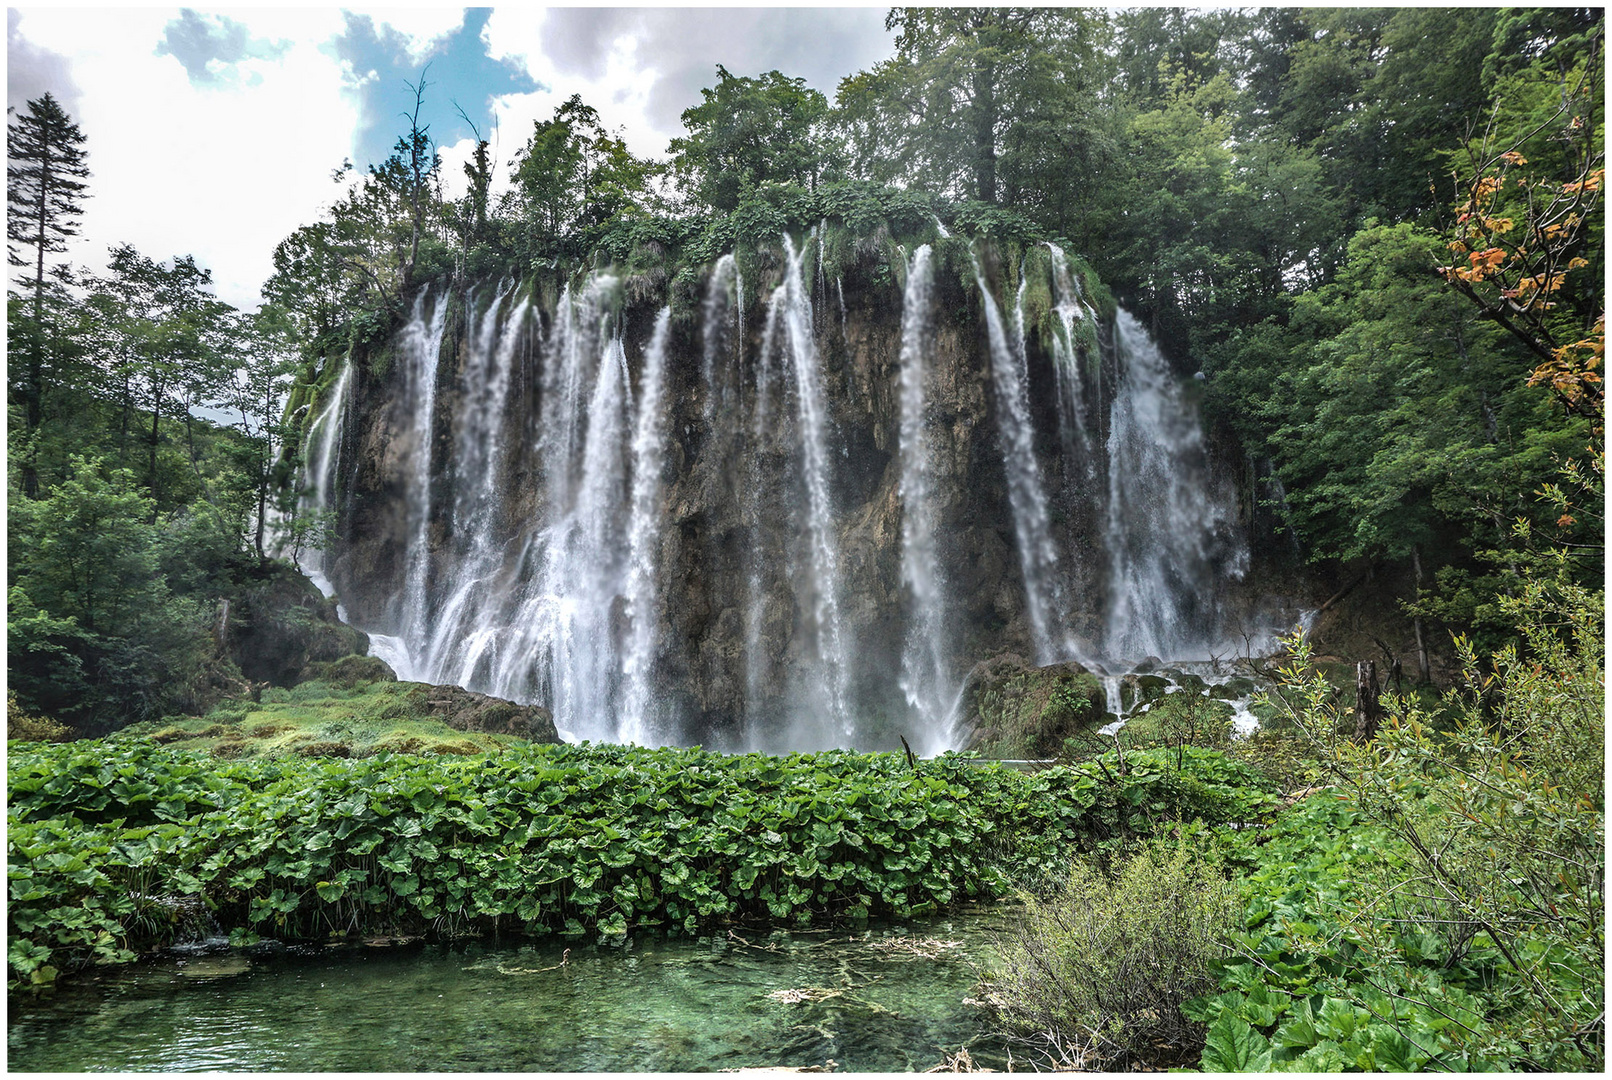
pixel 420 345
pixel 829 724
pixel 1026 495
pixel 457 642
pixel 643 536
pixel 925 678
pixel 319 471
pixel 718 385
pixel 1167 521
pixel 708 540
pixel 1074 317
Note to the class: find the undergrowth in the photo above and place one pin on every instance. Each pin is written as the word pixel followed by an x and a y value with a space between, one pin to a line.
pixel 108 841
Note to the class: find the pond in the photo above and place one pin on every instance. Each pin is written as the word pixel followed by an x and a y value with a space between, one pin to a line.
pixel 882 999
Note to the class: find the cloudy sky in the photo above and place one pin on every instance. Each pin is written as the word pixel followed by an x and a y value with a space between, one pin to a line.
pixel 214 133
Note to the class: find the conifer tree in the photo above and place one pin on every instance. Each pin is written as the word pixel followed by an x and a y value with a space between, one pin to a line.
pixel 45 174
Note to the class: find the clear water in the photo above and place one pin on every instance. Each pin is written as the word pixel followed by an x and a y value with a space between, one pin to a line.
pixel 873 1000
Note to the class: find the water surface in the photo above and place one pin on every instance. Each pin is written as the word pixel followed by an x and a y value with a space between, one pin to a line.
pixel 871 1000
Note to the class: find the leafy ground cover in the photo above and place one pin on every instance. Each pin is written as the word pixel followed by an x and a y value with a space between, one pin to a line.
pixel 120 845
pixel 1335 968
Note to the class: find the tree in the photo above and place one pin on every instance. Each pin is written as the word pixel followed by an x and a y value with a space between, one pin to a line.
pixel 45 174
pixel 159 326
pixel 940 114
pixel 748 132
pixel 268 366
pixel 1528 242
pixel 573 175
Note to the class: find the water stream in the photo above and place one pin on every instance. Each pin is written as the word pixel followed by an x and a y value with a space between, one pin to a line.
pixel 879 1000
pixel 926 680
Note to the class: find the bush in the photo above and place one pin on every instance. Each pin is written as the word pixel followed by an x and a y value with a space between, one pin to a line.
pixel 1099 971
pixel 545 839
pixel 1498 802
pixel 20 725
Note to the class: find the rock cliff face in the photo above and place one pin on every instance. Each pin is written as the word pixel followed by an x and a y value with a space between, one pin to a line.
pixel 695 521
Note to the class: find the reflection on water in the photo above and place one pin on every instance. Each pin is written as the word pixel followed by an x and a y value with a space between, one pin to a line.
pixel 879 1000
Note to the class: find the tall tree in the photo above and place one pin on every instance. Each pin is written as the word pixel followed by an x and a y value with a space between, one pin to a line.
pixel 749 132
pixel 573 174
pixel 939 113
pixel 45 191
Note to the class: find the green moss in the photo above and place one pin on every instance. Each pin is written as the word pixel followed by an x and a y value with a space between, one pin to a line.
pixel 1022 712
pixel 345 719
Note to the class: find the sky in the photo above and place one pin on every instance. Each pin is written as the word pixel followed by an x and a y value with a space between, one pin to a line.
pixel 216 132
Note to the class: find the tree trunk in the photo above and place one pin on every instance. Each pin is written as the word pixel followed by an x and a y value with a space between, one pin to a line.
pixel 34 394
pixel 151 461
pixel 1423 667
pixel 1368 712
pixel 984 80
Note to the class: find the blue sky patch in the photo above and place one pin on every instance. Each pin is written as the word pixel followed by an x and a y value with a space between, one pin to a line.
pixel 457 72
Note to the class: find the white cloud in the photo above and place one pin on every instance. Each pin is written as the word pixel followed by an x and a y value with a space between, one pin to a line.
pixel 221 173
pixel 224 172
pixel 423 27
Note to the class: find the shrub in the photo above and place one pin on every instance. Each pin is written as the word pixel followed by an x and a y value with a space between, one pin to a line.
pixel 1498 802
pixel 1098 972
pixel 20 725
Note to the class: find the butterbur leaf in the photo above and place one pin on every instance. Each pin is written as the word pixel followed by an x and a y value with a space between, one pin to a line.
pixel 1298 1031
pixel 1337 1019
pixel 1234 1046
pixel 1392 1052
pixel 1208 1008
pixel 1324 1056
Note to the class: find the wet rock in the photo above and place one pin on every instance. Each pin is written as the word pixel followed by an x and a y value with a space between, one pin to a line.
pixel 1237 687
pixel 282 624
pixel 1020 711
pixel 466 710
pixel 1135 690
pixel 351 671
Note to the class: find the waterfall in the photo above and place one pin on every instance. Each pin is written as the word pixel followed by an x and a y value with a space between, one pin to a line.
pixel 643 536
pixel 713 326
pixel 319 471
pixel 454 645
pixel 925 679
pixel 421 346
pixel 830 724
pixel 1073 313
pixel 1026 496
pixel 1166 519
pixel 618 514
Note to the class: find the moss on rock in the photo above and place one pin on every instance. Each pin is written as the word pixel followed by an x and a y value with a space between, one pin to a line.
pixel 1020 711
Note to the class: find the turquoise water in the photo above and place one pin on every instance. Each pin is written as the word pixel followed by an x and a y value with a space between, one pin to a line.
pixel 874 1000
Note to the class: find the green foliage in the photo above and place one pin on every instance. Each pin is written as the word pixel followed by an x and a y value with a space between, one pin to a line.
pixel 1099 971
pixel 748 133
pixel 546 838
pixel 573 175
pixel 1491 838
pixel 25 728
pixel 1332 970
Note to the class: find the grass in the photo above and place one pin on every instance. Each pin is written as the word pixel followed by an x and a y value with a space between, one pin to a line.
pixel 319 719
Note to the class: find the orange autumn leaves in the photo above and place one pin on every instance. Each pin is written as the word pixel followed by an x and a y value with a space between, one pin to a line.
pixel 1516 243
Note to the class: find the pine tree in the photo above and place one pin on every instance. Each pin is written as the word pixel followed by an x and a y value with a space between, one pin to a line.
pixel 45 173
